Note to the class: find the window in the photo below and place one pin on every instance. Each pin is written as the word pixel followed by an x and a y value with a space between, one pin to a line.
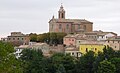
pixel 79 26
pixel 62 15
pixel 108 41
pixel 22 39
pixel 84 27
pixel 9 38
pixel 52 26
pixel 13 38
pixel 115 46
pixel 18 38
pixel 72 39
pixel 95 49
pixel 67 26
pixel 118 41
pixel 60 26
pixel 113 41
pixel 102 36
pixel 86 49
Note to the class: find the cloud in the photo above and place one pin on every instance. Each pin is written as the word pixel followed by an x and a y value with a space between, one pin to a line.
pixel 30 15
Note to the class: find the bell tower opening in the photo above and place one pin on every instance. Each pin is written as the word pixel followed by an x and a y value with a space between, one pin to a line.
pixel 61 12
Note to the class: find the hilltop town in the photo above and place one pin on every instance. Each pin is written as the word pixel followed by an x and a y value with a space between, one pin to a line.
pixel 70 46
pixel 73 36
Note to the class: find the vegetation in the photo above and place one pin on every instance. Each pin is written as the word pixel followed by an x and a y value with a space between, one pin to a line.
pixel 49 38
pixel 8 62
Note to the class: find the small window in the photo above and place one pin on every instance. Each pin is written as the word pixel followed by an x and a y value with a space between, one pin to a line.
pixel 62 15
pixel 113 41
pixel 72 39
pixel 115 46
pixel 73 53
pixel 52 26
pixel 22 38
pixel 18 38
pixel 9 38
pixel 13 38
pixel 102 36
pixel 86 49
pixel 84 27
pixel 67 26
pixel 60 26
pixel 95 49
pixel 108 41
pixel 118 41
pixel 79 26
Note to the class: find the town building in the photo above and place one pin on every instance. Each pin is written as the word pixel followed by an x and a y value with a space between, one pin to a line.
pixel 61 24
pixel 114 42
pixel 73 51
pixel 84 48
pixel 34 46
pixel 18 38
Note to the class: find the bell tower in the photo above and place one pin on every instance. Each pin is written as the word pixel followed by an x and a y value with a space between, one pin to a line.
pixel 61 13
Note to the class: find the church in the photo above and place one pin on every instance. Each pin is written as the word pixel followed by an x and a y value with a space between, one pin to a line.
pixel 61 24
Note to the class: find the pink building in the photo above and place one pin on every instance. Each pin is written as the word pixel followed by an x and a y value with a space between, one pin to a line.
pixel 69 40
pixel 69 25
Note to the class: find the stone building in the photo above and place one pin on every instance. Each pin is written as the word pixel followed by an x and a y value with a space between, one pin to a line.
pixel 18 38
pixel 114 42
pixel 61 24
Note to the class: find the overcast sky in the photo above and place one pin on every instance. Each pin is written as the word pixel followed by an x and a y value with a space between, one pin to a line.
pixel 33 15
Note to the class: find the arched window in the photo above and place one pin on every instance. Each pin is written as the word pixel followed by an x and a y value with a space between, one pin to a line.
pixel 67 27
pixel 60 26
pixel 62 15
pixel 78 26
pixel 52 26
pixel 84 27
pixel 86 49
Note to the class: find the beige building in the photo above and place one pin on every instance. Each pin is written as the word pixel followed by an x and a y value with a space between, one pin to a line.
pixel 73 51
pixel 61 24
pixel 18 38
pixel 114 42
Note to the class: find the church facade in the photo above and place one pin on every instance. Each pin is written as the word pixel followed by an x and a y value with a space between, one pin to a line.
pixel 61 24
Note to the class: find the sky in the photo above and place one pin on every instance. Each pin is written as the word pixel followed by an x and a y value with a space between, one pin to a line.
pixel 32 16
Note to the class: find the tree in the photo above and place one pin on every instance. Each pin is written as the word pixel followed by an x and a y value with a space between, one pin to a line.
pixel 100 57
pixel 116 62
pixel 108 53
pixel 33 37
pixel 106 67
pixel 85 63
pixel 32 61
pixel 8 62
pixel 61 69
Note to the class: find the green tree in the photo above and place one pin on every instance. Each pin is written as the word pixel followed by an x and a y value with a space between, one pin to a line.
pixel 85 63
pixel 100 57
pixel 61 69
pixel 108 53
pixel 8 62
pixel 32 61
pixel 33 37
pixel 116 62
pixel 106 67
